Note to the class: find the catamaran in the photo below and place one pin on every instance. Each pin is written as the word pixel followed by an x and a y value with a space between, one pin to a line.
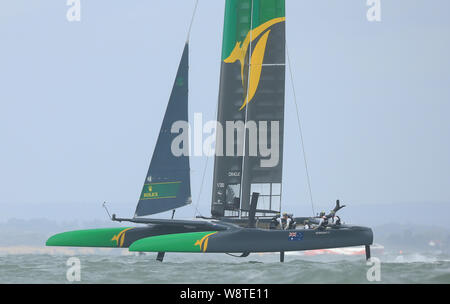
pixel 247 185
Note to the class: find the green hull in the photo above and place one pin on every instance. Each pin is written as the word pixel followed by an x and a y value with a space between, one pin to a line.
pixel 180 242
pixel 105 237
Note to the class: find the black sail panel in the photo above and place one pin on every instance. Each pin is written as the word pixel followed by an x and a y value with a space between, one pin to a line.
pixel 167 184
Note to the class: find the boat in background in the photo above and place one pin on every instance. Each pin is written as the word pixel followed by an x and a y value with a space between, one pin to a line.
pixel 376 249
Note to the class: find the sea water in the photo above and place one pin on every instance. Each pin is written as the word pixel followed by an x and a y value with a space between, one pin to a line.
pixel 21 265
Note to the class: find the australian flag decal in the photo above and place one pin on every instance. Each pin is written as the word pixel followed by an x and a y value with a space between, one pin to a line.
pixel 295 236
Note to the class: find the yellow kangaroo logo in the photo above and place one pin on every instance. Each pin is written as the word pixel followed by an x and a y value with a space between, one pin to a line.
pixel 257 58
pixel 120 238
pixel 203 242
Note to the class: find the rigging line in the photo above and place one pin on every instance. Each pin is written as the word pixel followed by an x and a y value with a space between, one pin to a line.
pixel 246 114
pixel 192 20
pixel 206 164
pixel 203 179
pixel 300 129
pixel 201 187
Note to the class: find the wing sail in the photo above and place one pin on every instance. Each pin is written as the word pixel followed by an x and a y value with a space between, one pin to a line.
pixel 252 88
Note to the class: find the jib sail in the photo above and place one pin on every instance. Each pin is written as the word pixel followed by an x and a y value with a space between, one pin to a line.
pixel 167 184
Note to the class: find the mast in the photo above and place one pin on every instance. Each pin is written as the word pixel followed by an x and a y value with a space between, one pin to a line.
pixel 252 98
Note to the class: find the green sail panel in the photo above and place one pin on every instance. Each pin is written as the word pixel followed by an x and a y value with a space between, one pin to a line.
pixel 252 85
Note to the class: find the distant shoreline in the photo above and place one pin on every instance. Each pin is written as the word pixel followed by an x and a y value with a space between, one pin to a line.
pixel 25 250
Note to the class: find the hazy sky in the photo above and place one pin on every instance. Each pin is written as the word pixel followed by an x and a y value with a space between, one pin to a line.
pixel 81 103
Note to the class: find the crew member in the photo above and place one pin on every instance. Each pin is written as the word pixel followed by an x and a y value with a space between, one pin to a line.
pixel 323 223
pixel 306 224
pixel 286 222
pixel 337 220
pixel 292 224
pixel 274 221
